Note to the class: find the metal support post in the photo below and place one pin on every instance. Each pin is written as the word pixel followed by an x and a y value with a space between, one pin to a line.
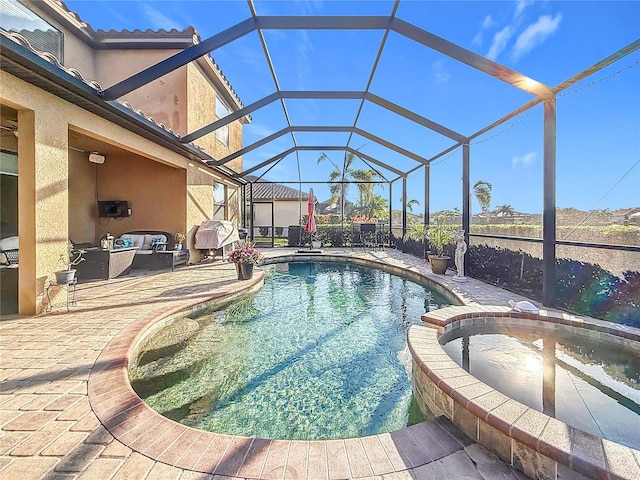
pixel 404 206
pixel 549 205
pixel 251 211
pixel 391 212
pixel 466 200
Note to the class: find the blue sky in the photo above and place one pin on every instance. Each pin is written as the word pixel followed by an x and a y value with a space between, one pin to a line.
pixel 598 128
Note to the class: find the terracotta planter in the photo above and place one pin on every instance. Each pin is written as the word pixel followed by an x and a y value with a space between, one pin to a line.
pixel 244 271
pixel 438 264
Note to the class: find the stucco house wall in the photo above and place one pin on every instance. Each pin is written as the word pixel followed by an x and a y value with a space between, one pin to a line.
pixel 58 186
pixel 164 99
pixel 153 178
pixel 201 111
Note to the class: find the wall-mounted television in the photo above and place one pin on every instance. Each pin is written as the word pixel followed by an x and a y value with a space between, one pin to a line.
pixel 113 208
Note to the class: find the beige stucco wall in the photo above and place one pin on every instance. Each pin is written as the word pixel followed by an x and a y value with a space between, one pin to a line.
pixel 163 99
pixel 184 100
pixel 201 111
pixel 59 187
pixel 155 192
pixel 44 124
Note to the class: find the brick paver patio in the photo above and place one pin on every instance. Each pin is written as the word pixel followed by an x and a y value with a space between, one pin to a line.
pixel 49 411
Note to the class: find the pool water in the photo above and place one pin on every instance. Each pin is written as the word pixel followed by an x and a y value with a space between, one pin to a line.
pixel 590 383
pixel 319 353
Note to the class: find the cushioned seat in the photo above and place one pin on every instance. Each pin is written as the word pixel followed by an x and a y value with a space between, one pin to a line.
pixel 147 242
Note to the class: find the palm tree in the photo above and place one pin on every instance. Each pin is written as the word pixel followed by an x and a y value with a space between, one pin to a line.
pixel 365 190
pixel 411 203
pixel 339 191
pixel 482 191
pixel 375 208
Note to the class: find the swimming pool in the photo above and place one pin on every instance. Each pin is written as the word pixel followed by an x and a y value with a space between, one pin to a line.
pixel 319 353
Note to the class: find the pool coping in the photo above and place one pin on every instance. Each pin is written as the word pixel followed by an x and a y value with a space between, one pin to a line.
pixel 126 416
pixel 526 438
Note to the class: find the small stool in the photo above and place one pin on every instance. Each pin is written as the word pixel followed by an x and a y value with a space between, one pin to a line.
pixel 71 291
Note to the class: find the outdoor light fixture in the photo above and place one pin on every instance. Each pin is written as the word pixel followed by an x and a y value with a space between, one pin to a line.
pixel 95 157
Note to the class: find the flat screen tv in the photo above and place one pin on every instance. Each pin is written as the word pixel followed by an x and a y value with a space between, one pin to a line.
pixel 113 208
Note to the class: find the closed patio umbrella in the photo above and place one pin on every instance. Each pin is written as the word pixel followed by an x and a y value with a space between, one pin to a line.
pixel 310 227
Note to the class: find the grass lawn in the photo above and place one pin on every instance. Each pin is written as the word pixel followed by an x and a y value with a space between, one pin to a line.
pixel 277 241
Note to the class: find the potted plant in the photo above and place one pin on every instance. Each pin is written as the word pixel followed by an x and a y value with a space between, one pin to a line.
pixel 180 239
pixel 70 259
pixel 245 257
pixel 439 234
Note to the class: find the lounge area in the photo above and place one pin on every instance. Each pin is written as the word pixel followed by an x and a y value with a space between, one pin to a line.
pixel 151 250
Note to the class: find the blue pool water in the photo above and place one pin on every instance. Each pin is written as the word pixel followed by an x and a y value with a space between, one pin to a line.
pixel 319 353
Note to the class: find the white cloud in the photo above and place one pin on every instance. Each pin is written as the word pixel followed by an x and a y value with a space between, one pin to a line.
pixel 500 41
pixel 525 160
pixel 535 34
pixel 158 19
pixel 439 72
pixel 521 6
pixel 487 22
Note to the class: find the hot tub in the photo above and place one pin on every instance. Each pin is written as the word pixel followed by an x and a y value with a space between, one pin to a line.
pixel 536 443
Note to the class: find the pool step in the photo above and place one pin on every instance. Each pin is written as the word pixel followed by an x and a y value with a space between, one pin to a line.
pixel 182 352
pixel 167 341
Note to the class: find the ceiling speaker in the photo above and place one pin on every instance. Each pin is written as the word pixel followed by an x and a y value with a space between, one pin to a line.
pixel 95 157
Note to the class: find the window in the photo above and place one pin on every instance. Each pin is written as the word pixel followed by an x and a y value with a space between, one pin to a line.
pixel 42 36
pixel 222 134
pixel 219 201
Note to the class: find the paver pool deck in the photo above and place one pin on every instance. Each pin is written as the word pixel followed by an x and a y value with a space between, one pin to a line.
pixel 65 403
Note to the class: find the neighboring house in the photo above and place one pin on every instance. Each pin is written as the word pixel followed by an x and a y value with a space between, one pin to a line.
pixel 329 207
pixel 53 72
pixel 274 205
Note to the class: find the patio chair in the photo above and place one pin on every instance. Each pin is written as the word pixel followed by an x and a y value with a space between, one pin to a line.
pixel 9 250
pixel 368 234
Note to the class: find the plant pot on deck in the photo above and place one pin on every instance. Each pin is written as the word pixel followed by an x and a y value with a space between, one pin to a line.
pixel 244 271
pixel 63 277
pixel 438 264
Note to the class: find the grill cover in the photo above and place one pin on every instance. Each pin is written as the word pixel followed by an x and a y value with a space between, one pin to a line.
pixel 214 234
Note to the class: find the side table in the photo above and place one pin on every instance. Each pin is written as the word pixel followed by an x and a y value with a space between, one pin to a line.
pixel 171 258
pixel 71 292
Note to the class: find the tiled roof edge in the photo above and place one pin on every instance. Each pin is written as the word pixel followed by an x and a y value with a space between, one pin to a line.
pixel 125 32
pixel 49 57
pixel 101 34
pixel 20 40
pixel 74 17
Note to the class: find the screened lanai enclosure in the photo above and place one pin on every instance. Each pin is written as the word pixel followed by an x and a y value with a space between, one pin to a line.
pixel 522 129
